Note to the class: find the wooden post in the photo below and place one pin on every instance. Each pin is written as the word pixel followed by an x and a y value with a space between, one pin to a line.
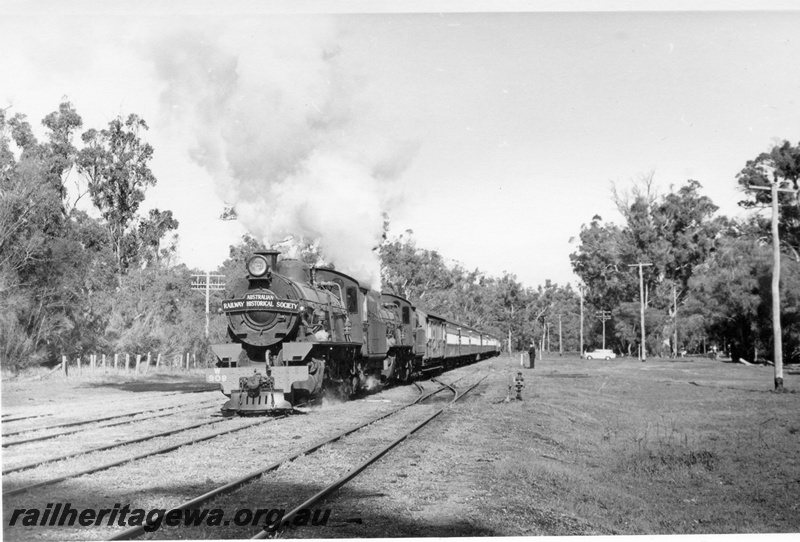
pixel 675 348
pixel 580 347
pixel 79 366
pixel 146 367
pixel 158 361
pixel 116 361
pixel 643 347
pixel 91 362
pixel 560 345
pixel 138 360
pixel 777 339
pixel 64 365
pixel 104 363
pixel 194 360
pixel 127 362
pixel 187 361
pixel 641 296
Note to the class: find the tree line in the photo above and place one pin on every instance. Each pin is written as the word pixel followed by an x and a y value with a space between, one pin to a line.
pixel 72 284
pixel 708 282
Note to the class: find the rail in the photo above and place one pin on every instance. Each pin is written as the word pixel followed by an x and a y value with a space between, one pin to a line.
pixel 366 463
pixel 134 532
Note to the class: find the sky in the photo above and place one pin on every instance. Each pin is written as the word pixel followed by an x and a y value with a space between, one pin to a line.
pixel 493 130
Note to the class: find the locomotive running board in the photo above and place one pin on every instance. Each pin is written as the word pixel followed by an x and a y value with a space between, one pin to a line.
pixel 227 352
pixel 296 351
pixel 299 351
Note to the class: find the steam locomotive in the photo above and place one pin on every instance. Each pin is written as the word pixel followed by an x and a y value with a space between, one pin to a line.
pixel 301 332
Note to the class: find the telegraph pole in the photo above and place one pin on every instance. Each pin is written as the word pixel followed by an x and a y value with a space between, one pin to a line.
pixel 642 348
pixel 560 346
pixel 777 334
pixel 547 335
pixel 603 316
pixel 207 283
pixel 674 321
pixel 580 289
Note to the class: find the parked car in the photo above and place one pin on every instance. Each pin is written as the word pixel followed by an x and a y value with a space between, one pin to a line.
pixel 600 354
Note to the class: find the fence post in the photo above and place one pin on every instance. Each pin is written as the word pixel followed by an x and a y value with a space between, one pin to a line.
pixel 116 359
pixel 187 361
pixel 147 366
pixel 91 361
pixel 79 366
pixel 64 365
pixel 104 363
pixel 194 360
pixel 158 361
pixel 127 362
pixel 138 360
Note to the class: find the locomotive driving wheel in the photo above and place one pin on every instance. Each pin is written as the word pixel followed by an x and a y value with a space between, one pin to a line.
pixel 340 386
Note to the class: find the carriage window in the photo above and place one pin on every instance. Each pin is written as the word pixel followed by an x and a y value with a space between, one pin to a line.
pixel 352 299
pixel 406 315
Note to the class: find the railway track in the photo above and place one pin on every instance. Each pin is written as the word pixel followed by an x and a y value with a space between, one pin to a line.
pixel 159 451
pixel 234 485
pixel 91 420
pixel 143 438
pixel 358 469
pixel 144 397
pixel 7 419
pixel 98 468
pixel 125 422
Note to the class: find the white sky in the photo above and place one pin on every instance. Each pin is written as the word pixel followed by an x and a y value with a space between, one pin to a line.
pixel 503 129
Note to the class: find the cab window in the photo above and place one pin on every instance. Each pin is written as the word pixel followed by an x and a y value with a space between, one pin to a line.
pixel 352 299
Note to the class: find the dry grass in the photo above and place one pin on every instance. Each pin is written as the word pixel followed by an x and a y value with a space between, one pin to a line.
pixel 666 447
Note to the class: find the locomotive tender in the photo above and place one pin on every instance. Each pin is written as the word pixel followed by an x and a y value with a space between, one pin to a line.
pixel 299 332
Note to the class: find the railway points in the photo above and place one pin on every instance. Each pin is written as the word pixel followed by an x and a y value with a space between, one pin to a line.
pixel 307 451
pixel 358 469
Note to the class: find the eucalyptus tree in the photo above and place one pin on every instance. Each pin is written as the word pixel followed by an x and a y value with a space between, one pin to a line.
pixel 674 232
pixel 150 236
pixel 53 280
pixel 115 161
pixel 782 165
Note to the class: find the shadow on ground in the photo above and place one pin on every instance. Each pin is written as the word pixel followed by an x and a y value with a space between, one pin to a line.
pixel 353 513
pixel 159 383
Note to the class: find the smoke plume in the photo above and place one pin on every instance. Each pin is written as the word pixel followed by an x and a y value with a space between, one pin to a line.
pixel 281 118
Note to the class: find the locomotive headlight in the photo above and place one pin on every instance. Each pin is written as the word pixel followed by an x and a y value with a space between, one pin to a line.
pixel 257 266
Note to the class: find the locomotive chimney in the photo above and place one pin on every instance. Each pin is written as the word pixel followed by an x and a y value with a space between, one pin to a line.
pixel 272 258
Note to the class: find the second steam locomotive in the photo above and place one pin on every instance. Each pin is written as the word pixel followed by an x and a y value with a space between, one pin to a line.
pixel 300 332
